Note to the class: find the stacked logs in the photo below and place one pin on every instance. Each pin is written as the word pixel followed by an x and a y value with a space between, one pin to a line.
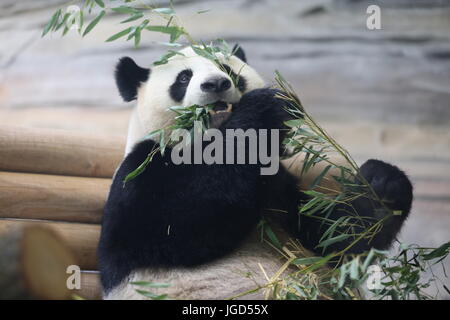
pixel 53 186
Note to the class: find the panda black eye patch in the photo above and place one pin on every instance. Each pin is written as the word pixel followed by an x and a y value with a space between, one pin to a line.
pixel 241 82
pixel 178 88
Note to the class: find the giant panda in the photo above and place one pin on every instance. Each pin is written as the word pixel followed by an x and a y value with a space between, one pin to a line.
pixel 193 225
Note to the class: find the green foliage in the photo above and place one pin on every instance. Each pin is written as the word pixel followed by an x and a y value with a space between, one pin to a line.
pixel 308 138
pixel 149 294
pixel 94 22
pixel 267 231
pixel 184 119
pixel 165 58
pixel 136 11
pixel 400 277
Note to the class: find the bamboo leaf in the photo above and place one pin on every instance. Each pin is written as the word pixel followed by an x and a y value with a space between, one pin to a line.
pixel 66 29
pixel 51 22
pixel 167 11
pixel 173 31
pixel 132 175
pixel 368 260
pixel 306 261
pixel 319 206
pixel 94 22
pixel 317 264
pixel 170 44
pixel 137 38
pixel 271 235
pixel 163 60
pixel 446 289
pixel 439 252
pixel 132 33
pixel 152 295
pixel 203 53
pixel 333 240
pixel 119 34
pixel 151 284
pixel 134 17
pixel 152 134
pixel 63 21
pixel 314 193
pixel 354 269
pixel 310 204
pixel 305 166
pixel 330 231
pixel 80 27
pixel 100 3
pixel 294 123
pixel 162 143
pixel 342 276
pixel 319 178
pixel 58 15
pixel 125 10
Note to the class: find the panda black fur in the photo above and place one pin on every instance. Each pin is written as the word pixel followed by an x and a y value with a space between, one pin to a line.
pixel 187 215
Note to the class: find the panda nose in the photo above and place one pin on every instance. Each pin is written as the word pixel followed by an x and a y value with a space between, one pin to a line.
pixel 216 85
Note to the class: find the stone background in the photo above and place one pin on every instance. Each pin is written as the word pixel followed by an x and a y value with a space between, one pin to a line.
pixel 382 94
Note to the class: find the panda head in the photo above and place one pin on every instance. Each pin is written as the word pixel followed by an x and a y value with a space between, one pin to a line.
pixel 185 80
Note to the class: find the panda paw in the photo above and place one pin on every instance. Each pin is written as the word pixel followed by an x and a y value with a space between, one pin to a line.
pixel 259 99
pixel 390 183
pixel 266 105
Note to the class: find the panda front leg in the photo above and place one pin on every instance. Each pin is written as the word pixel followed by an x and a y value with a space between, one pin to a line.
pixel 392 186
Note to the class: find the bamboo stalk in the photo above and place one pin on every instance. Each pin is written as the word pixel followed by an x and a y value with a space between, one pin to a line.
pixel 82 239
pixel 51 197
pixel 59 152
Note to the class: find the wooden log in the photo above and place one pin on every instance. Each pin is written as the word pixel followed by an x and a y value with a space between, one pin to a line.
pixel 33 264
pixel 59 152
pixel 52 197
pixel 90 286
pixel 82 239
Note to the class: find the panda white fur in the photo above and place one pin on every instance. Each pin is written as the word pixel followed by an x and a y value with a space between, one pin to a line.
pixel 190 225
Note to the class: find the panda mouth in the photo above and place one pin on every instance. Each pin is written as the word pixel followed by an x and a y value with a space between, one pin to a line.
pixel 220 112
pixel 221 107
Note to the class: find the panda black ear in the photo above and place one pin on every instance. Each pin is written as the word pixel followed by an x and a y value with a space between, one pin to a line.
pixel 239 52
pixel 129 77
